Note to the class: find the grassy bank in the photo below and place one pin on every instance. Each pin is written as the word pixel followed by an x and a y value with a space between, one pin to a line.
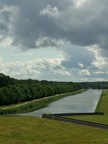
pixel 103 102
pixel 31 130
pixel 33 105
pixel 101 107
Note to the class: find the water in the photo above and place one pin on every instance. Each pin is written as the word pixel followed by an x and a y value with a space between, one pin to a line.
pixel 84 102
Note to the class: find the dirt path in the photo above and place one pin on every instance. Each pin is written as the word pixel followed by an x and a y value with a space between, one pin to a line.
pixel 30 101
pixel 24 103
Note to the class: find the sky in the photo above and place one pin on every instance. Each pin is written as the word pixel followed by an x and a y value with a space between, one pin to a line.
pixel 55 40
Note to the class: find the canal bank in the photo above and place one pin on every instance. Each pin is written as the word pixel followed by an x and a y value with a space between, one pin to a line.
pixel 83 102
pixel 34 104
pixel 98 119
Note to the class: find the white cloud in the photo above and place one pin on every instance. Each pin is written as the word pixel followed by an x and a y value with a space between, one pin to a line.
pixel 99 72
pixel 78 57
pixel 100 62
pixel 3 68
pixel 84 72
pixel 51 12
pixel 78 29
pixel 6 41
pixel 79 3
pixel 36 68
pixel 81 65
pixel 62 72
pixel 46 41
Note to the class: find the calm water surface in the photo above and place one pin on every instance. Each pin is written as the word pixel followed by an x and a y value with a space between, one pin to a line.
pixel 84 102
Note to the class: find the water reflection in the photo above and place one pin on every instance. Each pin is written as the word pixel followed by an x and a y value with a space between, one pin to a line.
pixel 84 102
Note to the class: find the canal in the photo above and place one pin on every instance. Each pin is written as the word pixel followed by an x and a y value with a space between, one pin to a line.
pixel 83 102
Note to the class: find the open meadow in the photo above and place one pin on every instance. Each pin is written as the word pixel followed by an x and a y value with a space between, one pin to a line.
pixel 33 130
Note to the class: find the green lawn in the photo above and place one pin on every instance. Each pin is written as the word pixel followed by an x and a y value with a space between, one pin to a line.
pixel 32 130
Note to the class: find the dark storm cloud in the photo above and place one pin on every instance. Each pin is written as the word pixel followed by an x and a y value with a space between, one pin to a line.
pixel 4 20
pixel 4 24
pixel 5 16
pixel 58 19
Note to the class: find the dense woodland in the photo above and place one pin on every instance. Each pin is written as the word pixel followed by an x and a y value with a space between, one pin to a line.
pixel 14 91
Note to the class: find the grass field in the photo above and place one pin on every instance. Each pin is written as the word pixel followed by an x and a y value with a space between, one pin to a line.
pixel 32 130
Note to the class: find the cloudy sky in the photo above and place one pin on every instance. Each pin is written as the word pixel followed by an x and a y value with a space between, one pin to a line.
pixel 60 40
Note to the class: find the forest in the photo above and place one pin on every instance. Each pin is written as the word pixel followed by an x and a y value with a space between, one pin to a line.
pixel 13 91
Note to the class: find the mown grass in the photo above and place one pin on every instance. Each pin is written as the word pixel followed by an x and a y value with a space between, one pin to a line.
pixel 31 130
pixel 101 107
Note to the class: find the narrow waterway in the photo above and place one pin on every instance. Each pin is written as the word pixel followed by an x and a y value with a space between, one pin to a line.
pixel 84 102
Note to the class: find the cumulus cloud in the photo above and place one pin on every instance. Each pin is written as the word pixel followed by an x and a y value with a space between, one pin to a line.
pixel 85 63
pixel 79 28
pixel 53 69
pixel 3 68
pixel 37 69
pixel 78 57
pixel 99 72
pixel 81 22
pixel 51 12
pixel 84 72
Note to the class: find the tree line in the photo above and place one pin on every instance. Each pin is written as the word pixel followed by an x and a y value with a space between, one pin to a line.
pixel 13 91
pixel 95 85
